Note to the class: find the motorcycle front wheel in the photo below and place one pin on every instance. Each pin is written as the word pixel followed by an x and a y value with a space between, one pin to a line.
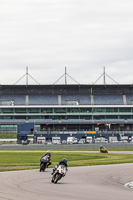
pixel 57 178
pixel 52 180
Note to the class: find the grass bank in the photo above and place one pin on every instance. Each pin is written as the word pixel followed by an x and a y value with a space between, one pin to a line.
pixel 31 160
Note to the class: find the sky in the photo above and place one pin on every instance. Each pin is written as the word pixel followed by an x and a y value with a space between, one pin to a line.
pixel 83 36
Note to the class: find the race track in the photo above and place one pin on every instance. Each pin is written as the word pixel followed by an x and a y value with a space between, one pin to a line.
pixel 80 183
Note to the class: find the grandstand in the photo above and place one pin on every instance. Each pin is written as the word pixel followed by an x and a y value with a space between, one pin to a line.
pixel 67 108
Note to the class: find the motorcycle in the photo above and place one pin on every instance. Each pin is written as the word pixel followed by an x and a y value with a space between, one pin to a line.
pixel 103 150
pixel 43 162
pixel 60 171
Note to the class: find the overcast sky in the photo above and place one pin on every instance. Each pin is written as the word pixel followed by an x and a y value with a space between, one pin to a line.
pixel 83 35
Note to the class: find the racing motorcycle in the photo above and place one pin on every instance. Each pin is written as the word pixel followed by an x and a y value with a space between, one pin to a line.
pixel 43 162
pixel 103 150
pixel 59 172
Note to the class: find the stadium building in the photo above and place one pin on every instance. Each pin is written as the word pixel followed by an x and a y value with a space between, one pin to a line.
pixel 68 108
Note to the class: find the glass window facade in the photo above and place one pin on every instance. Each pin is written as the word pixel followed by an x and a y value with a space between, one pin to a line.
pixel 66 112
pixel 58 115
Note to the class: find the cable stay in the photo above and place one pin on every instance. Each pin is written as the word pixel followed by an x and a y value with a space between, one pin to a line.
pixel 27 75
pixel 65 74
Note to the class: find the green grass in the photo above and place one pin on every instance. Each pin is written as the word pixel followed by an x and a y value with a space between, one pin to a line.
pixel 8 135
pixel 32 159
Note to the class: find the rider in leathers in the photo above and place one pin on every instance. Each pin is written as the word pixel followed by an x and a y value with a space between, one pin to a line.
pixel 48 154
pixel 63 162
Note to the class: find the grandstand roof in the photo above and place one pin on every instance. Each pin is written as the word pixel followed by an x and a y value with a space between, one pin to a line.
pixel 66 89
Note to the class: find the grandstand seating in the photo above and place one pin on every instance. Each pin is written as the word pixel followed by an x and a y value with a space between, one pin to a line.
pixel 18 99
pixel 32 100
pixel 83 99
pixel 108 99
pixel 129 98
pixel 47 99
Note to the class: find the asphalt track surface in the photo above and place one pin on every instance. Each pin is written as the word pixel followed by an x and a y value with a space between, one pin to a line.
pixel 104 182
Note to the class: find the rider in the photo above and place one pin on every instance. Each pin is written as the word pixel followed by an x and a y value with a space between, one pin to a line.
pixel 48 154
pixel 62 162
pixel 102 148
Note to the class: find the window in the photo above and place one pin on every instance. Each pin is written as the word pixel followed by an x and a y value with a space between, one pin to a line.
pixel 46 110
pixel 99 110
pixel 59 110
pixel 33 110
pixel 124 109
pixel 7 110
pixel 85 110
pixel 20 110
pixel 109 110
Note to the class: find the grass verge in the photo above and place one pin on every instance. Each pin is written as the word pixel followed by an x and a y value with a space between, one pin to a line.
pixel 31 160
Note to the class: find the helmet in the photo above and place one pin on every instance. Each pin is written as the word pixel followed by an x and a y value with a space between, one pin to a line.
pixel 48 152
pixel 64 160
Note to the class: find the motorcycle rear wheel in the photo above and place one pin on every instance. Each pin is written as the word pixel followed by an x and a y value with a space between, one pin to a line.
pixel 42 167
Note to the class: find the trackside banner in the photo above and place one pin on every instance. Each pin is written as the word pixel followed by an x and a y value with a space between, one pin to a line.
pixel 91 132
